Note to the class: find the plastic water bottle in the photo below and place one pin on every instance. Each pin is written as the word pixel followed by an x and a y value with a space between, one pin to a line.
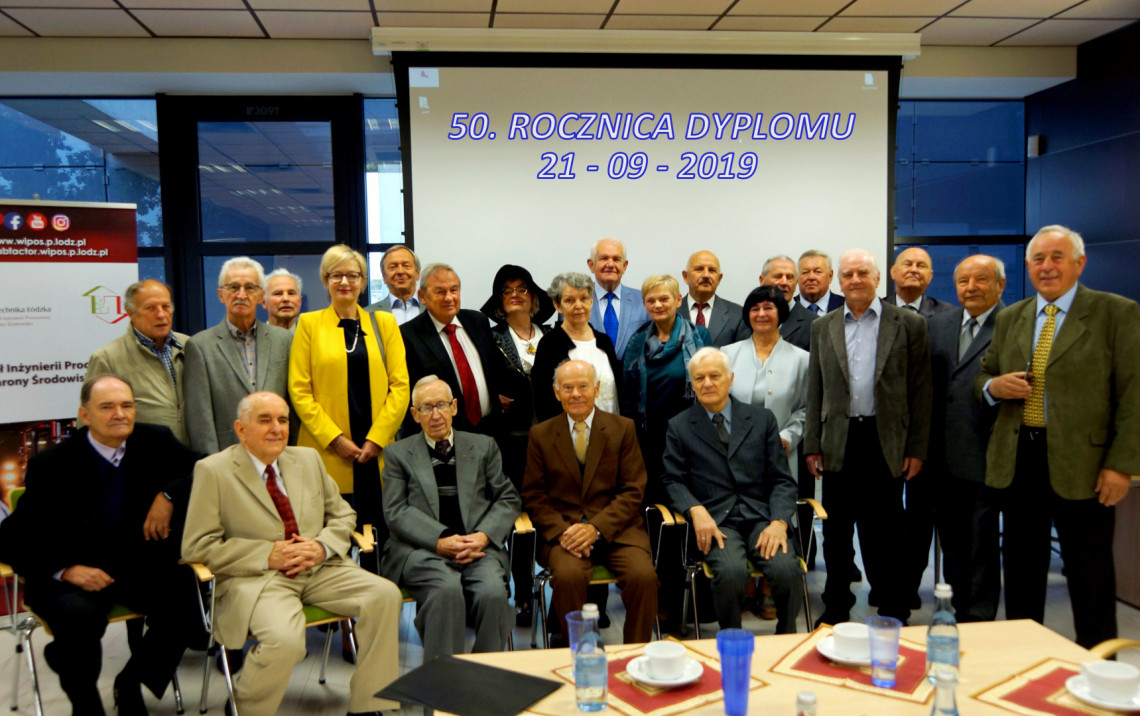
pixel 591 672
pixel 945 679
pixel 942 636
pixel 805 703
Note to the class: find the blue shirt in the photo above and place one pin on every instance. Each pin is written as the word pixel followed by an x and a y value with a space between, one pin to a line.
pixel 862 339
pixel 164 354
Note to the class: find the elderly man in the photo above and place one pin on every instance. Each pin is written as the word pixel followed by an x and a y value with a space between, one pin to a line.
pixel 962 508
pixel 815 283
pixel 100 525
pixel 400 268
pixel 282 298
pixel 237 357
pixel 151 354
pixel 780 271
pixel 704 308
pixel 456 345
pixel 618 310
pixel 1063 367
pixel 912 272
pixel 583 487
pixel 725 467
pixel 271 524
pixel 868 422
pixel 450 508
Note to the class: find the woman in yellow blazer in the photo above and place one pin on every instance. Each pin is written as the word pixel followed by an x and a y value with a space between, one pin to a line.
pixel 348 381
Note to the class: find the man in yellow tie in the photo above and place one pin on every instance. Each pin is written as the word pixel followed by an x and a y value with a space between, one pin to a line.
pixel 1063 367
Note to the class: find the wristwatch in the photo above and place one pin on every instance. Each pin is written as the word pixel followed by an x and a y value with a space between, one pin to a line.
pixel 597 535
pixel 167 495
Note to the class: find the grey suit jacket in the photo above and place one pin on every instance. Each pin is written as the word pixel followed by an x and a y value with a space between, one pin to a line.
pixel 796 329
pixel 384 304
pixel 700 470
pixel 726 325
pixel 631 316
pixel 960 423
pixel 902 389
pixel 488 502
pixel 929 308
pixel 215 381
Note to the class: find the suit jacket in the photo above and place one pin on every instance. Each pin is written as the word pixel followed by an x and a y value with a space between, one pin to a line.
pixel 157 399
pixel 1092 398
pixel 726 324
pixel 318 384
pixel 796 329
pixel 427 356
pixel 960 423
pixel 216 381
pixel 607 492
pixel 384 304
pixel 59 521
pixel 902 389
pixel 835 301
pixel 929 307
pixel 232 523
pixel 700 470
pixel 488 502
pixel 631 316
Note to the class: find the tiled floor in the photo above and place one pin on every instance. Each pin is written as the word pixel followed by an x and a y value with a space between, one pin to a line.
pixel 307 696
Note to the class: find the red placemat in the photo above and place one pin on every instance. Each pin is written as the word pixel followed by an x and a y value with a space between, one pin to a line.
pixel 1040 689
pixel 806 662
pixel 628 696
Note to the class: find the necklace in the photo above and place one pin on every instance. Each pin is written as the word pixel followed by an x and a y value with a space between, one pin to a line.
pixel 355 338
pixel 530 349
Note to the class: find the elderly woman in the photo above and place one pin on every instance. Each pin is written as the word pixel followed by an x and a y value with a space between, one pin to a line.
pixel 656 377
pixel 349 383
pixel 575 339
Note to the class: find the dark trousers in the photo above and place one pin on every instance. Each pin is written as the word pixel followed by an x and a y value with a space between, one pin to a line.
pixel 805 512
pixel 77 620
pixel 636 579
pixel 866 495
pixel 730 575
pixel 918 528
pixel 966 514
pixel 1029 508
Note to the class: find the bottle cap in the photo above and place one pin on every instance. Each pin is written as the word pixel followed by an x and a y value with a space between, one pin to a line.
pixel 943 591
pixel 805 698
pixel 590 610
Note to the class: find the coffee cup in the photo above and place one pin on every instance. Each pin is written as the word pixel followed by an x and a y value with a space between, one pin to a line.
pixel 851 640
pixel 665 659
pixel 1112 681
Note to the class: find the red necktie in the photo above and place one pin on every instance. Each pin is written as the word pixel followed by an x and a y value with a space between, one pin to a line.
pixel 471 406
pixel 701 313
pixel 281 502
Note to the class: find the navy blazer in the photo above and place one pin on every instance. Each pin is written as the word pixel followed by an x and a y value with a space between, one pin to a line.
pixel 835 301
pixel 796 329
pixel 930 306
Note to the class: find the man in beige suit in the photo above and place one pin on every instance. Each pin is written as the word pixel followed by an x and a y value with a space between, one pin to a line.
pixel 271 524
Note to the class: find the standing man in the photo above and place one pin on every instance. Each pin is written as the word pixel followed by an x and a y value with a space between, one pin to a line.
pixel 962 508
pixel 283 298
pixel 239 356
pixel 1062 368
pixel 100 524
pixel 815 283
pixel 912 272
pixel 780 271
pixel 151 355
pixel 868 422
pixel 704 308
pixel 400 268
pixel 618 310
pixel 450 508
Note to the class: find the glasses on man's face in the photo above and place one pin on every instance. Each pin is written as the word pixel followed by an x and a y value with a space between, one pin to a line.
pixel 249 288
pixel 443 406
pixel 352 277
pixel 516 291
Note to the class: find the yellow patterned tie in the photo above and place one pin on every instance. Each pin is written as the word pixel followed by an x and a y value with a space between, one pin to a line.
pixel 580 441
pixel 1033 414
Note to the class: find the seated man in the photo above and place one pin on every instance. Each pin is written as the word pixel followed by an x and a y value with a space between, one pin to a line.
pixel 583 487
pixel 449 508
pixel 272 526
pixel 99 525
pixel 726 468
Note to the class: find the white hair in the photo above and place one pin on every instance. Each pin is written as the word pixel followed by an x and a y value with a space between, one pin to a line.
pixel 863 254
pixel 710 352
pixel 283 272
pixel 1074 238
pixel 425 382
pixel 594 248
pixel 999 265
pixel 240 262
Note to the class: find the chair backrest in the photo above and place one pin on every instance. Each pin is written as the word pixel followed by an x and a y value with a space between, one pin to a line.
pixel 15 495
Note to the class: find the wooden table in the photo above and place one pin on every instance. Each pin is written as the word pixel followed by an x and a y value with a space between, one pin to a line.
pixel 991 652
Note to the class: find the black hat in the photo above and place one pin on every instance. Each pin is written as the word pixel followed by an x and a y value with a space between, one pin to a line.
pixel 493 307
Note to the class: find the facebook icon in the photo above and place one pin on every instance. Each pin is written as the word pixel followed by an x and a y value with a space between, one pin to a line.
pixel 13 221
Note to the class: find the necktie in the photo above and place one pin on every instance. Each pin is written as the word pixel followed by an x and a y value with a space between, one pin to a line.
pixel 721 430
pixel 610 321
pixel 911 308
pixel 1033 414
pixel 471 407
pixel 701 313
pixel 580 440
pixel 281 502
pixel 815 309
pixel 967 337
pixel 441 448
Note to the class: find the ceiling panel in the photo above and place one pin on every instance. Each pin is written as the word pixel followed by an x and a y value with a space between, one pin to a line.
pixel 874 24
pixel 8 28
pixel 788 7
pixel 660 22
pixel 968 31
pixel 1004 8
pixel 434 19
pixel 769 24
pixel 1105 9
pixel 672 7
pixel 107 4
pixel 360 5
pixel 909 8
pixel 78 22
pixel 428 5
pixel 1064 32
pixel 594 7
pixel 182 4
pixel 548 21
pixel 285 24
pixel 200 23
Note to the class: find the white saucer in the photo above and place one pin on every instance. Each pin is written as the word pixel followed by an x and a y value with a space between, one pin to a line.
pixel 1079 686
pixel 826 646
pixel 638 668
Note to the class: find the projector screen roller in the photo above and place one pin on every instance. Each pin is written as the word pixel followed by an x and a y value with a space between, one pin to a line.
pixel 532 165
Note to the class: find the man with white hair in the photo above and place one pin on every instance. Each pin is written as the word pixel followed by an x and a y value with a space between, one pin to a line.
pixel 618 310
pixel 868 422
pixel 1062 368
pixel 283 298
pixel 726 469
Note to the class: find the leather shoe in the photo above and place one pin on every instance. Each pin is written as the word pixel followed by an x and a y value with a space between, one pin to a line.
pixel 523 615
pixel 832 619
pixel 236 657
pixel 128 696
pixel 229 709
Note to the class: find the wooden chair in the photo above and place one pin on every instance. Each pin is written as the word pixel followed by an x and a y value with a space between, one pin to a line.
pixel 1110 647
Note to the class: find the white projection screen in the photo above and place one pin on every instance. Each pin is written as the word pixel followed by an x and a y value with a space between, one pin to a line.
pixel 544 160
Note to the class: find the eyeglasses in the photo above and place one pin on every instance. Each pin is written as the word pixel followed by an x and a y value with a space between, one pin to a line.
pixel 352 277
pixel 516 291
pixel 236 287
pixel 443 406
